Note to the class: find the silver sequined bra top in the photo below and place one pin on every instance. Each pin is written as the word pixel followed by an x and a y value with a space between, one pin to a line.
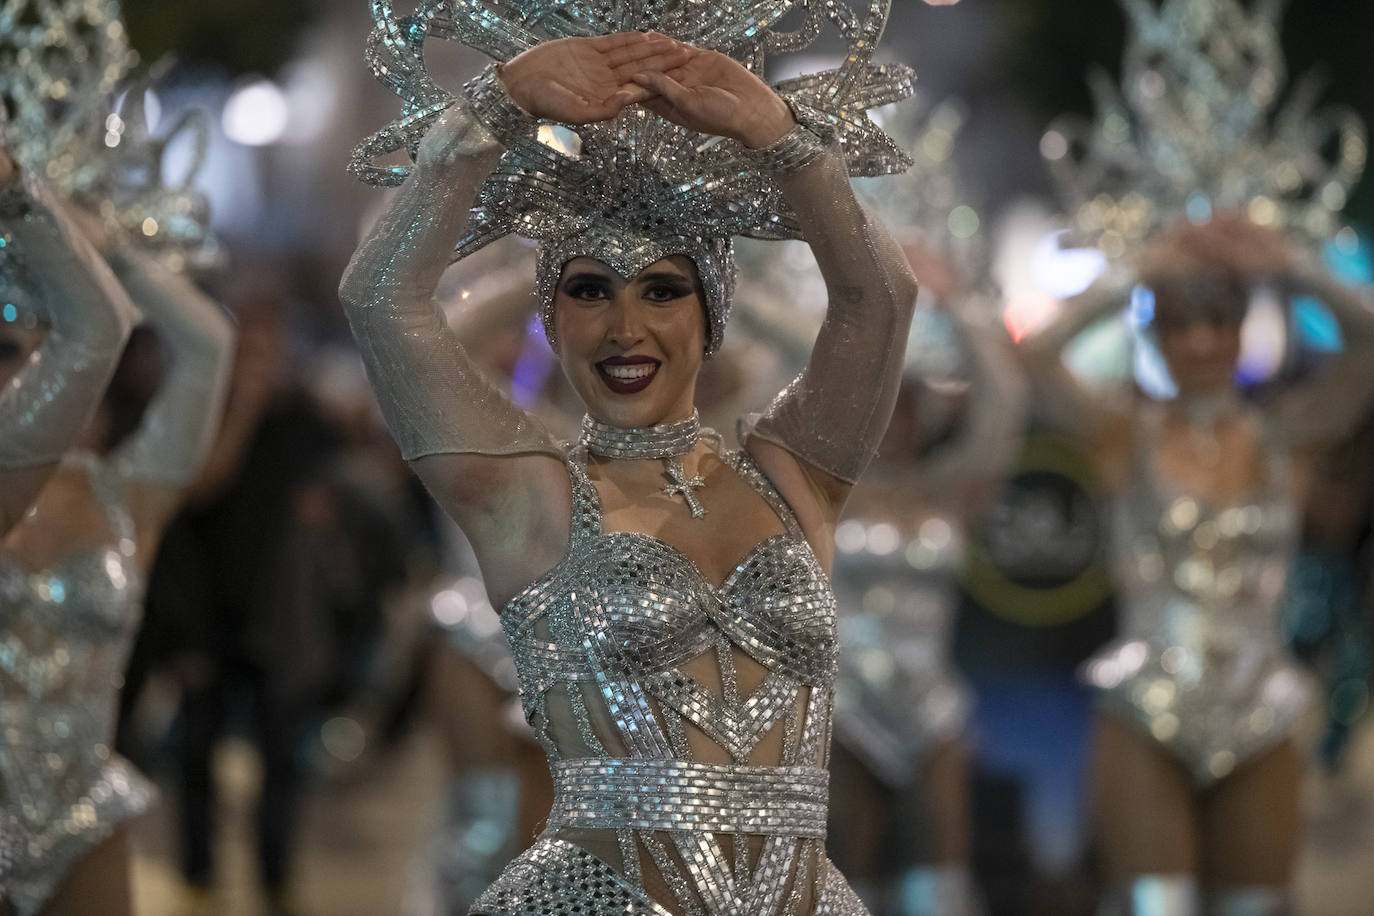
pixel 65 635
pixel 1199 575
pixel 628 656
pixel 898 696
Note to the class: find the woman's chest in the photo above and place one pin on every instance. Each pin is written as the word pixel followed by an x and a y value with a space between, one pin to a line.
pixel 629 604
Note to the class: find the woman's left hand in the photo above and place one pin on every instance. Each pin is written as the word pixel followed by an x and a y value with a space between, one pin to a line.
pixel 715 94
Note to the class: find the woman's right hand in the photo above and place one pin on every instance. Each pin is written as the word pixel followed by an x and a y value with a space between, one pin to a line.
pixel 584 80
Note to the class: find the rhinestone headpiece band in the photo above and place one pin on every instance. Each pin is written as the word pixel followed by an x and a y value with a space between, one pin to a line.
pixel 1196 128
pixel 61 64
pixel 638 188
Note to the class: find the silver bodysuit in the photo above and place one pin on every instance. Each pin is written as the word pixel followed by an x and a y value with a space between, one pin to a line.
pixel 1200 665
pixel 897 698
pixel 65 634
pixel 604 637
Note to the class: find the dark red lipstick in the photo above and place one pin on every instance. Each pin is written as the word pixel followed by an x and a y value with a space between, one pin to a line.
pixel 627 374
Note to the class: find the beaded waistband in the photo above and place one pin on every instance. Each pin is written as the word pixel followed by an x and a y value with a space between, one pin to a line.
pixel 609 793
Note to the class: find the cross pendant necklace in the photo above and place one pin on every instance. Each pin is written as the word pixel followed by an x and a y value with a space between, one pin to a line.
pixel 682 485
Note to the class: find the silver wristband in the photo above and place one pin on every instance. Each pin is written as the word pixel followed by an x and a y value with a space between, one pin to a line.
pixel 492 105
pixel 796 149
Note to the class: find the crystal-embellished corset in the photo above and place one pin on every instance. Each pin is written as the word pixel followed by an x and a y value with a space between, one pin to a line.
pixel 897 695
pixel 1197 574
pixel 65 635
pixel 603 643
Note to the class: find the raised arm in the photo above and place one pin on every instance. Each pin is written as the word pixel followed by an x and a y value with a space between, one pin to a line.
pixel 827 424
pixel 1070 405
pixel 486 461
pixel 49 266
pixel 162 457
pixel 1323 411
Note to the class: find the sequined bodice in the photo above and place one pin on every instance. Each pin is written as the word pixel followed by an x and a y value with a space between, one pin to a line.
pixel 603 643
pixel 65 635
pixel 1199 574
pixel 897 695
pixel 894 580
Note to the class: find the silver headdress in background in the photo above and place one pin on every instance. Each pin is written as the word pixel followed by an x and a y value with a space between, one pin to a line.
pixel 638 188
pixel 63 64
pixel 1196 128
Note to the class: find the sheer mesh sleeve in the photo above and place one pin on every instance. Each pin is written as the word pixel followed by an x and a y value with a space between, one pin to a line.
pixel 834 414
pixel 49 270
pixel 179 425
pixel 434 398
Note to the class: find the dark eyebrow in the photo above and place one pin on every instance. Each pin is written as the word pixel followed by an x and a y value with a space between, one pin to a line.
pixel 587 277
pixel 661 277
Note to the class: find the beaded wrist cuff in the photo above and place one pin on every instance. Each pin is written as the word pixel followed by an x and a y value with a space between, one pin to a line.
pixel 797 148
pixel 492 105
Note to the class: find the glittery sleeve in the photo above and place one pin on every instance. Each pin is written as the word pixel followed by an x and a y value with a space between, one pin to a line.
pixel 180 422
pixel 434 398
pixel 52 273
pixel 834 414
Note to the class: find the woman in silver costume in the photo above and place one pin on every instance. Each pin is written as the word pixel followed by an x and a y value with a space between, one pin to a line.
pixel 675 644
pixel 81 527
pixel 1196 773
pixel 901 708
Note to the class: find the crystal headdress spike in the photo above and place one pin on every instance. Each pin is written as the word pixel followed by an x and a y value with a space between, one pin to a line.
pixel 1196 127
pixel 78 120
pixel 637 188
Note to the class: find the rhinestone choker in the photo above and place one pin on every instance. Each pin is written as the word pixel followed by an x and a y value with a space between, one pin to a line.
pixel 668 441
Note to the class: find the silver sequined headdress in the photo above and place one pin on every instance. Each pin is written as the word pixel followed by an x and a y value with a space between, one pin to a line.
pixel 638 188
pixel 1196 128
pixel 77 118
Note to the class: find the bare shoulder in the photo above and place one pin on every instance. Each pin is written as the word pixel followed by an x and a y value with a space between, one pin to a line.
pixel 516 510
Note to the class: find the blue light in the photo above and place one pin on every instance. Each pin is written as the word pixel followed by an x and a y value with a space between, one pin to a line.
pixel 1317 327
pixel 1199 208
pixel 1350 259
pixel 1141 311
pixel 10 312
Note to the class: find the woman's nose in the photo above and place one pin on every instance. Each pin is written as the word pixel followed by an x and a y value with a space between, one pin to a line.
pixel 626 324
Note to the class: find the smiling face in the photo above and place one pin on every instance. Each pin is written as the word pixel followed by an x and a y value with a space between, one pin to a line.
pixel 632 348
pixel 1198 327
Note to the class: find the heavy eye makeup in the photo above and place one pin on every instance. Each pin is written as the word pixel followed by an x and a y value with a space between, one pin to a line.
pixel 589 287
pixel 665 287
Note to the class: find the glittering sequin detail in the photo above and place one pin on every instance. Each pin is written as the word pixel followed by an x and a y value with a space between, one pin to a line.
pixel 1200 665
pixel 667 440
pixel 898 696
pixel 608 631
pixel 65 634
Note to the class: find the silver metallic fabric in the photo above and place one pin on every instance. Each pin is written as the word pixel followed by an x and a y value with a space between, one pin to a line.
pixel 603 644
pixel 935 890
pixel 1199 664
pixel 434 397
pixel 638 188
pixel 50 274
pixel 1154 895
pixel 898 697
pixel 65 635
pixel 1195 128
pixel 179 424
pixel 832 416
